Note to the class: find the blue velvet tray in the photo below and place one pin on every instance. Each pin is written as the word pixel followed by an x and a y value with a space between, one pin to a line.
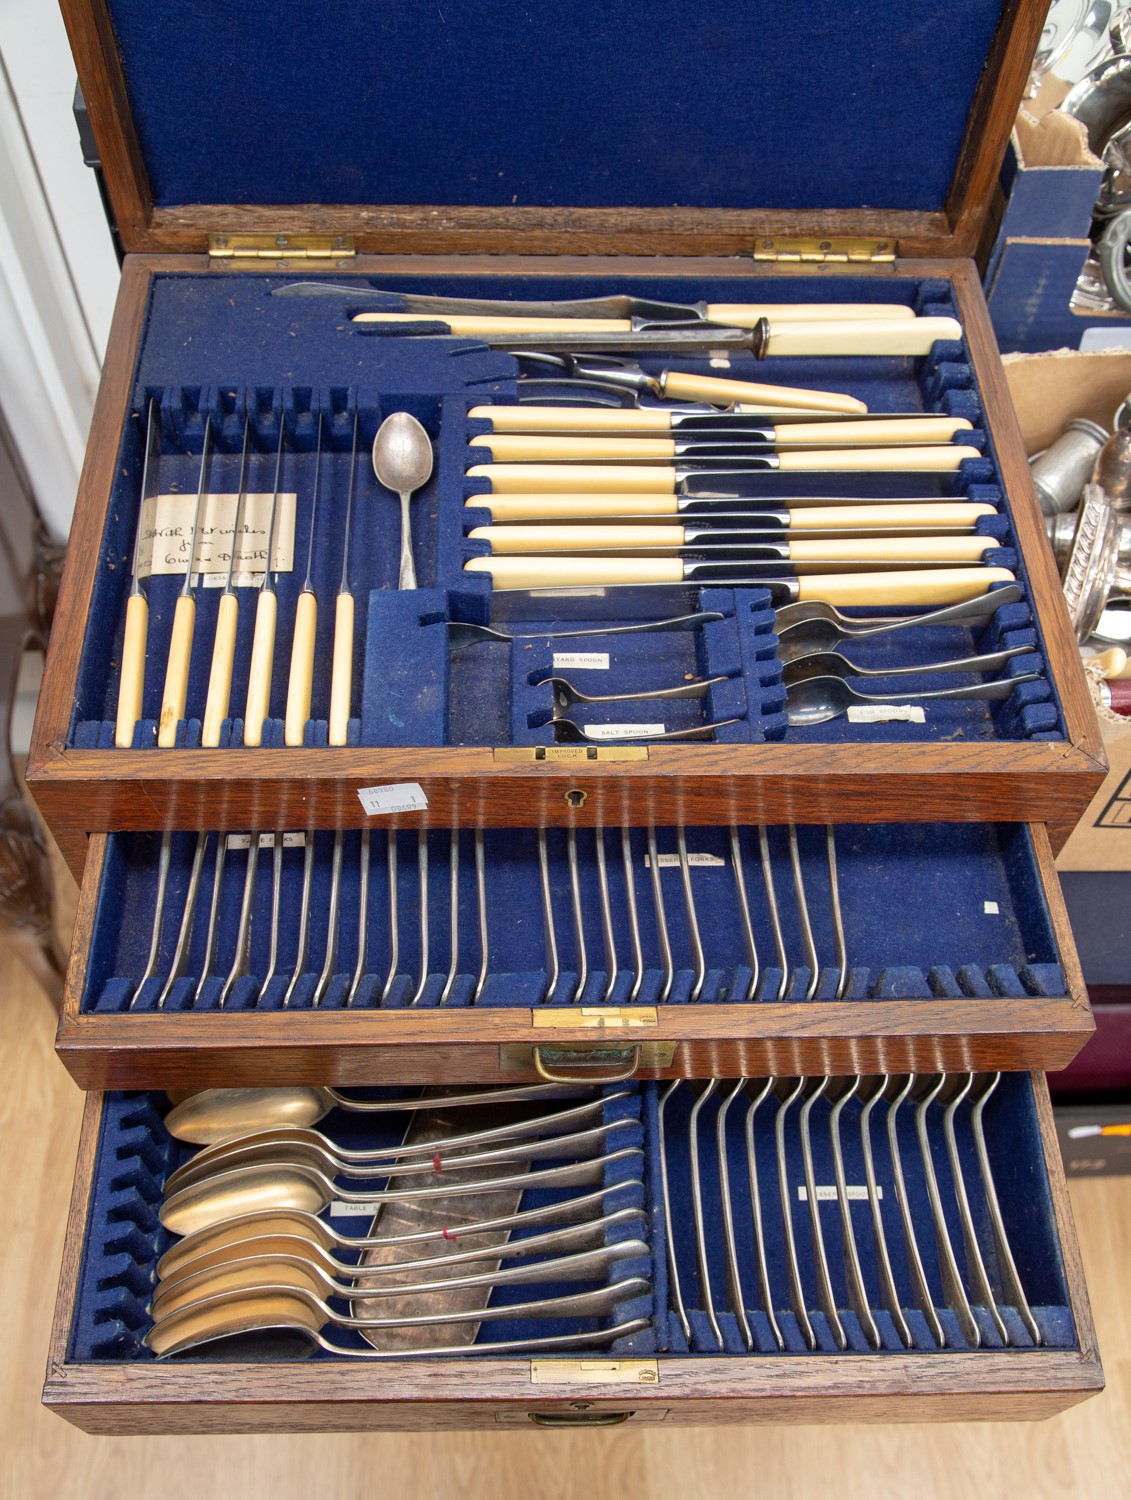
pixel 637 104
pixel 221 345
pixel 929 911
pixel 123 1238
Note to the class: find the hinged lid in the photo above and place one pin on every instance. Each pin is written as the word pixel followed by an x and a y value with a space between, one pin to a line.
pixel 651 126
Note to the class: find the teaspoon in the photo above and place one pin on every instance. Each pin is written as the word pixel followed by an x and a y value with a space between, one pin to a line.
pixel 402 461
pixel 819 699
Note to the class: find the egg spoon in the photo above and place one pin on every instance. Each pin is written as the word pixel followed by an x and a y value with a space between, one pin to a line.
pixel 301 1274
pixel 298 1224
pixel 306 1153
pixel 558 1122
pixel 216 1114
pixel 298 1312
pixel 291 1186
pixel 293 1246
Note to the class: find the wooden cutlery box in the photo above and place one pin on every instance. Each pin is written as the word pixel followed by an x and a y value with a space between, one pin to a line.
pixel 925 933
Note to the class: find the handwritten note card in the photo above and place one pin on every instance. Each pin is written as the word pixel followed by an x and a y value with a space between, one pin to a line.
pixel 166 537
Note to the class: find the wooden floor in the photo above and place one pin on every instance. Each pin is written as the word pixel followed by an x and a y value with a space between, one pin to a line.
pixel 1085 1453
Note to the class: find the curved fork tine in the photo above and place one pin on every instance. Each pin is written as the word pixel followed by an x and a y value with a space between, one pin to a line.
pixel 633 915
pixel 578 917
pixel 796 1291
pixel 1007 1266
pixel 744 913
pixel 838 914
pixel 775 914
pixel 824 1281
pixel 661 918
pixel 692 916
pixel 975 1265
pixel 803 915
pixel 883 1259
pixel 764 1293
pixel 920 1291
pixel 673 1259
pixel 953 1290
pixel 857 1295
pixel 706 1296
pixel 736 1301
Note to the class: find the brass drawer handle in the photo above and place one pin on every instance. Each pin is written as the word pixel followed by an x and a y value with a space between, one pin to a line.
pixel 580 1418
pixel 584 1072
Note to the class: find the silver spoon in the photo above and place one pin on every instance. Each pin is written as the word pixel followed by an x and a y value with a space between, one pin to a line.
pixel 832 663
pixel 814 625
pixel 402 461
pixel 819 699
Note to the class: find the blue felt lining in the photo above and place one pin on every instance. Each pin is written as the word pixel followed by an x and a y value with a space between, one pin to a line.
pixel 900 944
pixel 629 105
pixel 123 1238
pixel 222 344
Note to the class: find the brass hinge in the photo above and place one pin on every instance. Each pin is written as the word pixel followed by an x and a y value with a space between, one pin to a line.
pixel 813 250
pixel 254 251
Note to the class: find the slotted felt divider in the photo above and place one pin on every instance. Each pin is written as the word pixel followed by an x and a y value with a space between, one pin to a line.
pixel 985 930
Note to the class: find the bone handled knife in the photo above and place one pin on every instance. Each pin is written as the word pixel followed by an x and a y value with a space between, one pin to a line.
pixel 530 416
pixel 799 513
pixel 530 447
pixel 520 478
pixel 880 589
pixel 709 542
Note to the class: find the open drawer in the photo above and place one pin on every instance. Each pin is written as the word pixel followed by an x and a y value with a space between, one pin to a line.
pixel 876 1248
pixel 423 957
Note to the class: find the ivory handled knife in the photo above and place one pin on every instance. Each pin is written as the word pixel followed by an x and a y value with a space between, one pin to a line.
pixel 799 513
pixel 520 478
pixel 873 335
pixel 881 589
pixel 740 542
pixel 531 447
pixel 598 317
pixel 531 417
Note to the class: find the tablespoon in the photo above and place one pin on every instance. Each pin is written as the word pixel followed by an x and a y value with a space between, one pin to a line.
pixel 294 1223
pixel 402 461
pixel 306 1154
pixel 813 624
pixel 254 1272
pixel 289 1139
pixel 292 1311
pixel 818 699
pixel 216 1114
pixel 832 663
pixel 588 1235
pixel 290 1186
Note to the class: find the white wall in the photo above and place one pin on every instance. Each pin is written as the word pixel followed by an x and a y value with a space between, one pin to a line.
pixel 58 275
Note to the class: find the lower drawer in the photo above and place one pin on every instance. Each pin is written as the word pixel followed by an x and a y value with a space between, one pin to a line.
pixel 802 1250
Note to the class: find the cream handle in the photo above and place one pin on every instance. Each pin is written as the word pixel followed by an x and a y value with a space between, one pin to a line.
pixel 220 677
pixel 486 325
pixel 548 448
pixel 748 314
pixel 177 671
pixel 879 430
pixel 957 515
pixel 515 479
pixel 572 507
pixel 548 572
pixel 301 678
pixel 675 385
pixel 892 549
pixel 925 586
pixel 893 460
pixel 262 662
pixel 509 539
pixel 1113 663
pixel 131 677
pixel 341 679
pixel 897 336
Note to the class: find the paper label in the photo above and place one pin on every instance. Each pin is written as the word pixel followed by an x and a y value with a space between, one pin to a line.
pixel 621 731
pixel 590 661
pixel 166 537
pixel 671 861
pixel 883 713
pixel 855 1192
pixel 266 840
pixel 401 796
pixel 991 908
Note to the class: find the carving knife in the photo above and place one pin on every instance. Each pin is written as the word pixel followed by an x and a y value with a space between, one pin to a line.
pixel 800 512
pixel 520 478
pixel 643 311
pixel 752 545
pixel 881 589
pixel 716 440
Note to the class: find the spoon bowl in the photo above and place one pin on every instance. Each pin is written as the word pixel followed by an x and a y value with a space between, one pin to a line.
pixel 402 461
